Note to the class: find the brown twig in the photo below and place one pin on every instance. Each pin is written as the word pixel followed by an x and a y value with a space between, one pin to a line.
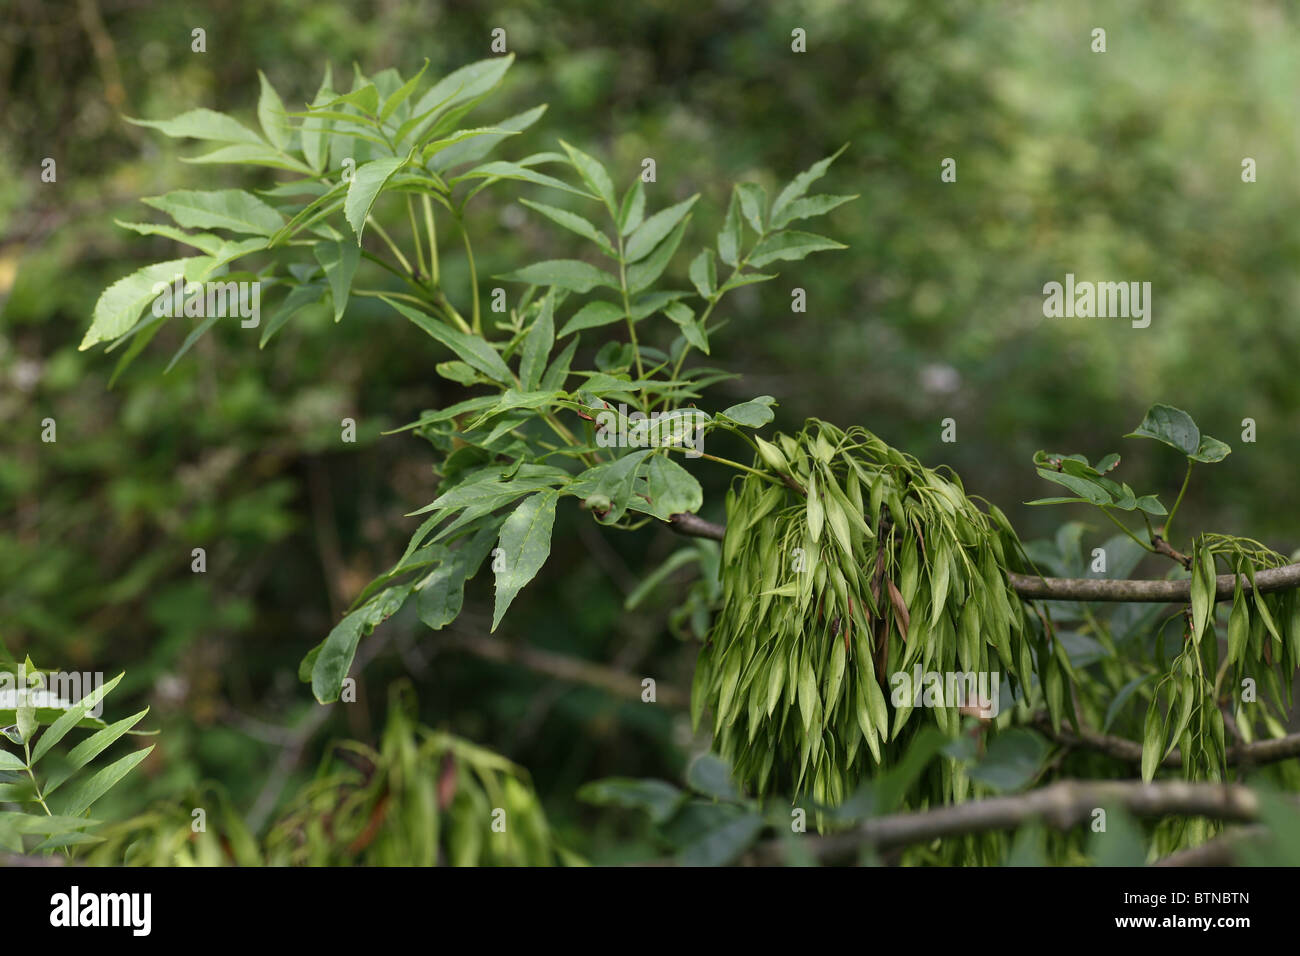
pixel 566 668
pixel 1164 547
pixel 1060 805
pixel 1259 752
pixel 1223 850
pixel 1033 588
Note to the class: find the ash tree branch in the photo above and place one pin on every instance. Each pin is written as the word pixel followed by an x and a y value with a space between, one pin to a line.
pixel 1060 805
pixel 1033 588
pixel 570 669
pixel 1223 850
pixel 1259 752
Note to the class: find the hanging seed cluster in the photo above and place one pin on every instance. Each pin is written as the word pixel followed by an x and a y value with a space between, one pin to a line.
pixel 1253 679
pixel 848 568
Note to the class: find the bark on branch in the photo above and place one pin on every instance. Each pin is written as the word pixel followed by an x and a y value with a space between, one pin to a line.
pixel 1060 805
pixel 1259 752
pixel 570 669
pixel 1033 588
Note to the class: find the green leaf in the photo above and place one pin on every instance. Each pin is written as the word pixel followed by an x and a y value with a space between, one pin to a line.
pixel 806 208
pixel 592 315
pixel 504 170
pixel 1170 425
pixel 459 372
pixel 401 94
pixel 465 84
pixel 537 345
pixel 791 245
pixel 1151 505
pixel 656 798
pixel 195 334
pixel 120 305
pixel 31 823
pixel 1013 760
pixel 94 787
pixel 729 235
pixel 753 205
pixel 441 594
pixel 704 274
pixel 724 843
pixel 470 348
pixel 558 371
pixel 298 297
pixel 684 318
pixel 571 274
pixel 613 480
pixel 594 175
pixel 324 205
pixel 203 124
pixel 525 543
pixel 437 147
pixel 671 489
pixel 231 209
pixel 9 762
pixel 1152 738
pixel 644 273
pixel 331 661
pixel 339 260
pixel 1210 450
pixel 1238 625
pixel 711 775
pixel 365 187
pixel 364 96
pixel 749 278
pixel 486 488
pixel 632 211
pixel 206 242
pixel 574 223
pixel 1107 463
pixel 270 113
pixel 250 155
pixel 755 413
pixel 314 139
pixel 246 154
pixel 1187 694
pixel 799 185
pixel 471 151
pixel 97 743
pixel 651 232
pixel 816 511
pixel 1085 487
pixel 1202 593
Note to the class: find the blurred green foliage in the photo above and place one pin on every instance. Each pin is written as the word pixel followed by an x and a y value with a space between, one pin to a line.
pixel 1124 165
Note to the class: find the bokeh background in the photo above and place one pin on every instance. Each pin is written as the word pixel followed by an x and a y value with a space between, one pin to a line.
pixel 1123 165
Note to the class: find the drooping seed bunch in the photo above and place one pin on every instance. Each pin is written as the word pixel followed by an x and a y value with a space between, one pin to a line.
pixel 847 570
pixel 1253 679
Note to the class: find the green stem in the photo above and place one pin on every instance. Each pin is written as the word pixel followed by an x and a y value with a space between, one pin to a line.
pixel 433 237
pixel 415 234
pixel 730 464
pixel 366 254
pixel 1119 524
pixel 563 432
pixel 1182 491
pixel 627 310
pixel 377 294
pixel 370 221
pixel 40 798
pixel 473 277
